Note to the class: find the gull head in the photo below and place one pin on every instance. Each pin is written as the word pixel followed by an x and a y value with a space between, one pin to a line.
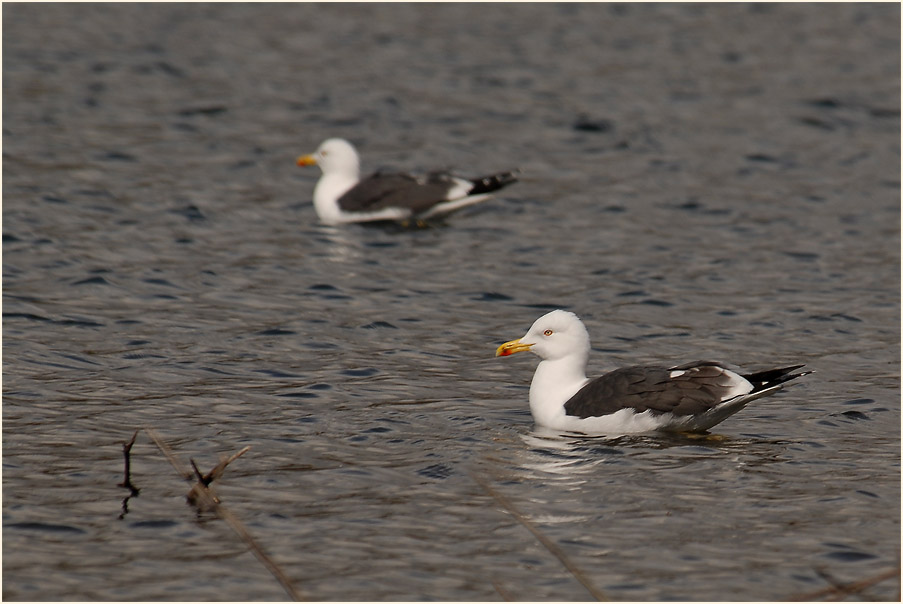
pixel 556 335
pixel 334 156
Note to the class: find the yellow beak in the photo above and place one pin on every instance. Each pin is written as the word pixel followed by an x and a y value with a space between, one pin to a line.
pixel 306 160
pixel 512 347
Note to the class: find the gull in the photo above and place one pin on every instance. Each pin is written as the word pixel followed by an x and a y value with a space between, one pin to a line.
pixel 341 197
pixel 685 398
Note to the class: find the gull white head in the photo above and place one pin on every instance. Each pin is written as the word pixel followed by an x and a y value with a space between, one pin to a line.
pixel 334 156
pixel 553 336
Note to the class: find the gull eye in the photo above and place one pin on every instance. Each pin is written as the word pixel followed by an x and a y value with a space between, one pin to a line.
pixel 324 152
pixel 547 332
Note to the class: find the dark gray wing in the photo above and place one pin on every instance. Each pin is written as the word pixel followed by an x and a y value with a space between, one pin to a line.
pixel 396 190
pixel 653 389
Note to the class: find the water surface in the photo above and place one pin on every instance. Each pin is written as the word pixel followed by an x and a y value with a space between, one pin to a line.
pixel 699 181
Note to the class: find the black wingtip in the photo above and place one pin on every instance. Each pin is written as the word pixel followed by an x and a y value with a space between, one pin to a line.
pixel 493 182
pixel 763 380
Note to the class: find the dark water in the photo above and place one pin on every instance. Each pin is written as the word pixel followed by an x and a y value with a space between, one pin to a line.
pixel 700 181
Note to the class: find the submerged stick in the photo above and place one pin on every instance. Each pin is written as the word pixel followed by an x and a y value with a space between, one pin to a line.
pixel 504 593
pixel 167 452
pixel 839 590
pixel 204 498
pixel 268 562
pixel 550 545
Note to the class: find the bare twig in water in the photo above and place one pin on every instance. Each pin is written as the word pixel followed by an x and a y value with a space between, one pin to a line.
pixel 220 467
pixel 127 479
pixel 205 499
pixel 550 545
pixel 196 496
pixel 839 590
pixel 126 452
pixel 201 494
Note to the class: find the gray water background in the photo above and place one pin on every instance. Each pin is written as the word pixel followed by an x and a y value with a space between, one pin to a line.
pixel 699 181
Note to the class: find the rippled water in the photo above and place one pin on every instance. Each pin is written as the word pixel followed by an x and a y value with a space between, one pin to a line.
pixel 700 181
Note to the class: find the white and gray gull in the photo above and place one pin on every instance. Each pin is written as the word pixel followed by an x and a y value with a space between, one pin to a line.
pixel 340 195
pixel 686 398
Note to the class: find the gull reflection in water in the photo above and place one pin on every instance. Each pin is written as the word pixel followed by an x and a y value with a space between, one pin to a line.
pixel 567 454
